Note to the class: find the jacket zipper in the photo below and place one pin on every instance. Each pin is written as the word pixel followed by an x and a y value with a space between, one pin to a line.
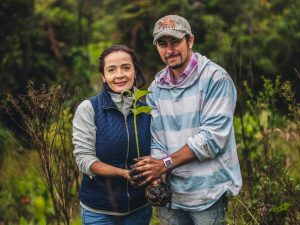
pixel 127 130
pixel 127 183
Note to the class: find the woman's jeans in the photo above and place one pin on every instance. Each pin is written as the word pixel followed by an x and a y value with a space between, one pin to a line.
pixel 139 217
pixel 214 215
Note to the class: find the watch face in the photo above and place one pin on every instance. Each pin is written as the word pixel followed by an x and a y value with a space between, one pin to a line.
pixel 168 162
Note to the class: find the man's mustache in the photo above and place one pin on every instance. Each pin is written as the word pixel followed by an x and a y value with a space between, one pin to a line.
pixel 172 55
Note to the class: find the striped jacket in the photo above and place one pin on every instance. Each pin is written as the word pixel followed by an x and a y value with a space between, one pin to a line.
pixel 198 112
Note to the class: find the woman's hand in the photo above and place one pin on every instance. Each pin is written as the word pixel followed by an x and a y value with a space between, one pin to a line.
pixel 149 190
pixel 103 169
pixel 125 174
pixel 159 193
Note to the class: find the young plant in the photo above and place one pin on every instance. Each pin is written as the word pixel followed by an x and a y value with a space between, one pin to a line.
pixel 138 110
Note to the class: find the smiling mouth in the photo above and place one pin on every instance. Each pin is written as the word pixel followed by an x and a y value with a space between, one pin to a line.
pixel 121 83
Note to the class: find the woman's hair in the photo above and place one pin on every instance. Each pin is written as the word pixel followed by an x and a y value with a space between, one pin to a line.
pixel 140 79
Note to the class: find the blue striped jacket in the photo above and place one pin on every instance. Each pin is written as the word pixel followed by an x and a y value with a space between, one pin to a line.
pixel 198 112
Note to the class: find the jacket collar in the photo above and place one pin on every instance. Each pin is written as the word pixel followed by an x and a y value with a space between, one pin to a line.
pixel 107 102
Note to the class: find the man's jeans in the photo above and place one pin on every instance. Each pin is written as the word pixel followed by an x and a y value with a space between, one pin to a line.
pixel 214 215
pixel 140 217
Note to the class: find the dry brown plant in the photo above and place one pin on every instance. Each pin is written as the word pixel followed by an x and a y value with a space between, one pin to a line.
pixel 44 116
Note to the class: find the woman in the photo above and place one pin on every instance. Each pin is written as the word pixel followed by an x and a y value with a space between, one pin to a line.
pixel 104 141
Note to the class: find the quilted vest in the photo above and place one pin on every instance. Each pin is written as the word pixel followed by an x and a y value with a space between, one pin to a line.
pixel 115 145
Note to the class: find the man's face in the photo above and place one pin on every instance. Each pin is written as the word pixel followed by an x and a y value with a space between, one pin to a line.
pixel 175 52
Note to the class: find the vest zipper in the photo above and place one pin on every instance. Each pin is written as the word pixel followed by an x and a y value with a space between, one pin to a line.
pixel 127 130
pixel 127 184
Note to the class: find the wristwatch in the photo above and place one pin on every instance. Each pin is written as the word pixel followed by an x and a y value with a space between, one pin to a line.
pixel 168 162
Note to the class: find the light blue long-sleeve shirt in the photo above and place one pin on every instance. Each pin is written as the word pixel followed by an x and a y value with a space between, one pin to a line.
pixel 197 112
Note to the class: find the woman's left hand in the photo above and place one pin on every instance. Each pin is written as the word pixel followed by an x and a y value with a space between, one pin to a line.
pixel 125 174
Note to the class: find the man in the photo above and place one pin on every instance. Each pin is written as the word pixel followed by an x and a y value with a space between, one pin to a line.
pixel 193 102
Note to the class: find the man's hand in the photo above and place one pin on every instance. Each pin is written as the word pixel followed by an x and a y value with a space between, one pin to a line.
pixel 148 169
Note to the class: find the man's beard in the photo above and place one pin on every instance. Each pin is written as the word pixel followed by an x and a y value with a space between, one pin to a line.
pixel 175 67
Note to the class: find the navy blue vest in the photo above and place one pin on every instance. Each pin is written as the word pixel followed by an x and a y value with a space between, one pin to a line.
pixel 115 145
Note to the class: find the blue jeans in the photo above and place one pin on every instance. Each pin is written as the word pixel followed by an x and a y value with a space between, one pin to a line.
pixel 140 217
pixel 214 215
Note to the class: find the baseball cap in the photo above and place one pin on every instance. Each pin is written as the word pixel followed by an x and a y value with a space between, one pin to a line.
pixel 171 25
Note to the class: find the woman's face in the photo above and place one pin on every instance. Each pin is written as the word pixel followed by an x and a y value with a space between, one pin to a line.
pixel 119 72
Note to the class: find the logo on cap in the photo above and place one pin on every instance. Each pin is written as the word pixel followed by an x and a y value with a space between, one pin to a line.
pixel 166 23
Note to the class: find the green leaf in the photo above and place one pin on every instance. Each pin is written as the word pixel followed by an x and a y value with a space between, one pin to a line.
pixel 142 109
pixel 140 93
pixel 23 221
pixel 281 208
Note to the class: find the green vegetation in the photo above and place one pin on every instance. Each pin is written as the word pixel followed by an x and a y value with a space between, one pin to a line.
pixel 52 41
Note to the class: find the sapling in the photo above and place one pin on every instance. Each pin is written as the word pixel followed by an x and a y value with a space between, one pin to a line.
pixel 136 110
pixel 161 194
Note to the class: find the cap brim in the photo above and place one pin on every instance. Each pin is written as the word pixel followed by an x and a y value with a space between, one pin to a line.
pixel 172 33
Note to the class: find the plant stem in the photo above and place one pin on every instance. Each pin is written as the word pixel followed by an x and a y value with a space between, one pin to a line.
pixel 240 201
pixel 136 136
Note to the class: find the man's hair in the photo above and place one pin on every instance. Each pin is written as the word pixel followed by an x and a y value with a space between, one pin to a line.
pixel 139 77
pixel 187 38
